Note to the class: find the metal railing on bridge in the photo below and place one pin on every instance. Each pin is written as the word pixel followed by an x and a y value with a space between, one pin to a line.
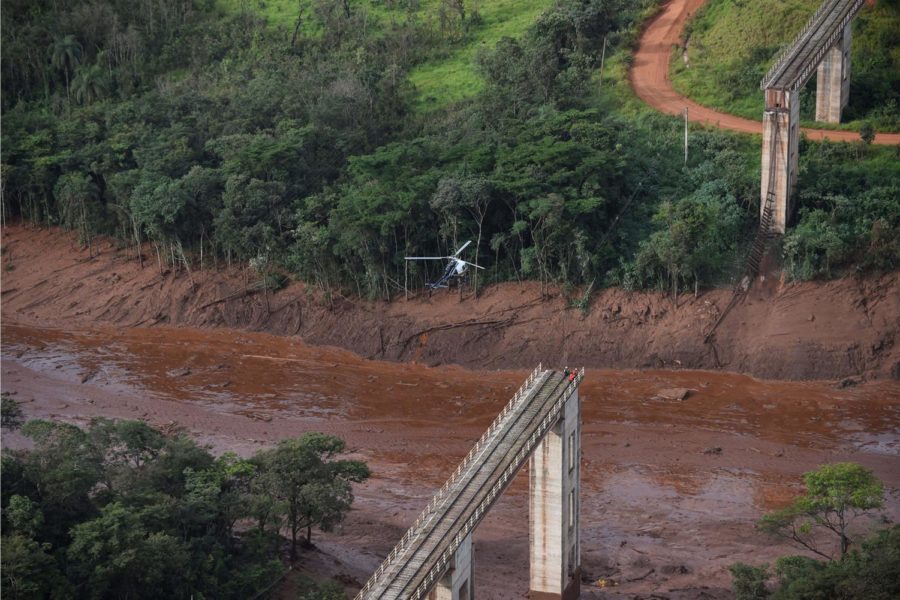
pixel 461 477
pixel 823 29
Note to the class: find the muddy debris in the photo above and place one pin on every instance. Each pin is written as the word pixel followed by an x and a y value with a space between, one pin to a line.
pixel 849 382
pixel 674 394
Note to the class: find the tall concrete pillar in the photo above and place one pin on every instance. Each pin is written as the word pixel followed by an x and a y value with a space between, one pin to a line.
pixel 833 80
pixel 457 583
pixel 781 121
pixel 554 507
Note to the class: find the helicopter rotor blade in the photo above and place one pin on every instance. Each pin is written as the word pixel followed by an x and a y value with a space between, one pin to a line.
pixel 461 248
pixel 470 264
pixel 424 258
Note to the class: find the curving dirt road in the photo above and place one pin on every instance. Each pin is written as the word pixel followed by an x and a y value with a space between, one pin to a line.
pixel 649 78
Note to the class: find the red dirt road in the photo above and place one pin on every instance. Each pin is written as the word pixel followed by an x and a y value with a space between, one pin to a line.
pixel 650 79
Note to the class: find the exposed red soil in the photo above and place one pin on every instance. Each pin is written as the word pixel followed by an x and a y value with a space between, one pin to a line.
pixel 649 77
pixel 670 491
pixel 825 330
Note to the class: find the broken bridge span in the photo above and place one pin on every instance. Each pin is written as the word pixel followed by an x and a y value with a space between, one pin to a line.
pixel 434 559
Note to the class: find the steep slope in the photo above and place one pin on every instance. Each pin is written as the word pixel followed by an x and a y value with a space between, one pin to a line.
pixel 784 331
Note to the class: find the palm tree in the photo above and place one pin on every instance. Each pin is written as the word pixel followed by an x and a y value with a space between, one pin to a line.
pixel 89 84
pixel 65 54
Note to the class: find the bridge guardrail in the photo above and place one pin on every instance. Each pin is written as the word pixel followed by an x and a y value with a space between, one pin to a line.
pixel 783 54
pixel 828 7
pixel 811 65
pixel 537 435
pixel 423 517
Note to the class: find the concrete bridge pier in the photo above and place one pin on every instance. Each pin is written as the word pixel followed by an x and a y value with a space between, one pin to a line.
pixel 780 154
pixel 833 80
pixel 554 508
pixel 457 583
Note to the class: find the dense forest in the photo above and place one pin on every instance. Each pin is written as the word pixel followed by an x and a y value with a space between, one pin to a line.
pixel 120 510
pixel 303 147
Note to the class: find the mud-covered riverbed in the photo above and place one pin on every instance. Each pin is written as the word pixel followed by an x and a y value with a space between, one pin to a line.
pixel 671 488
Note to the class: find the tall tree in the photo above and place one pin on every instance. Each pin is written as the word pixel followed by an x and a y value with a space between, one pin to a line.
pixel 90 84
pixel 835 495
pixel 315 489
pixel 65 54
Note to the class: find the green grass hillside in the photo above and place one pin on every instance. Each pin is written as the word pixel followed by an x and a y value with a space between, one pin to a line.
pixel 449 74
pixel 454 77
pixel 732 43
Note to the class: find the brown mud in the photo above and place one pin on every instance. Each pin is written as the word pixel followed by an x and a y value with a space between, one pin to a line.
pixel 671 488
pixel 793 331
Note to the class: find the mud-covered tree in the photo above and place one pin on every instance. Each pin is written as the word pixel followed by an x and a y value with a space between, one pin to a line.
pixel 836 494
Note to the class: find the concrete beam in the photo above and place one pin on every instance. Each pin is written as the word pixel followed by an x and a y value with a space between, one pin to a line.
pixel 457 582
pixel 833 80
pixel 780 153
pixel 554 509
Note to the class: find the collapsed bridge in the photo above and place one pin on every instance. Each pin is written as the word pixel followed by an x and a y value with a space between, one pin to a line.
pixel 434 559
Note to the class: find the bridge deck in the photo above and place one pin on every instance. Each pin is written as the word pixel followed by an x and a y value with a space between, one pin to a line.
pixel 424 553
pixel 799 61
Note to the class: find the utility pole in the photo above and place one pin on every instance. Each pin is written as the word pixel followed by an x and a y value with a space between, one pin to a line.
pixel 602 60
pixel 685 134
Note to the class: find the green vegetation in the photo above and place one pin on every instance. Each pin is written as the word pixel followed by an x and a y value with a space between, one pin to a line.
pixel 871 572
pixel 119 510
pixel 848 211
pixel 312 590
pixel 835 495
pixel 452 77
pixel 732 43
pixel 10 412
pixel 299 146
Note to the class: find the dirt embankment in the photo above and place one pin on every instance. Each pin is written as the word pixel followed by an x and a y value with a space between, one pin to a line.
pixel 781 331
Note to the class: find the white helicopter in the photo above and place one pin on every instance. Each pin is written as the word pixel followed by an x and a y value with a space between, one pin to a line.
pixel 456 266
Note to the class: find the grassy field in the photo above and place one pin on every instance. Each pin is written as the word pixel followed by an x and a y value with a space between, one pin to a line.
pixel 732 43
pixel 442 80
pixel 454 77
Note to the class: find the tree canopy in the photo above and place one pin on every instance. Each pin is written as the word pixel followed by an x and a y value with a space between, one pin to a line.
pixel 119 509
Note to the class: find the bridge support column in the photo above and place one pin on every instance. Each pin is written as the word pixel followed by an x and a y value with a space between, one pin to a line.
pixel 554 507
pixel 833 80
pixel 457 583
pixel 781 135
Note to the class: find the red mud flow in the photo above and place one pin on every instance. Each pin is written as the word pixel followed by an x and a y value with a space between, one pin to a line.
pixel 819 330
pixel 649 77
pixel 671 488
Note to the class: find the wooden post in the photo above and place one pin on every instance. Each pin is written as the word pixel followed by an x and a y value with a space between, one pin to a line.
pixel 685 134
